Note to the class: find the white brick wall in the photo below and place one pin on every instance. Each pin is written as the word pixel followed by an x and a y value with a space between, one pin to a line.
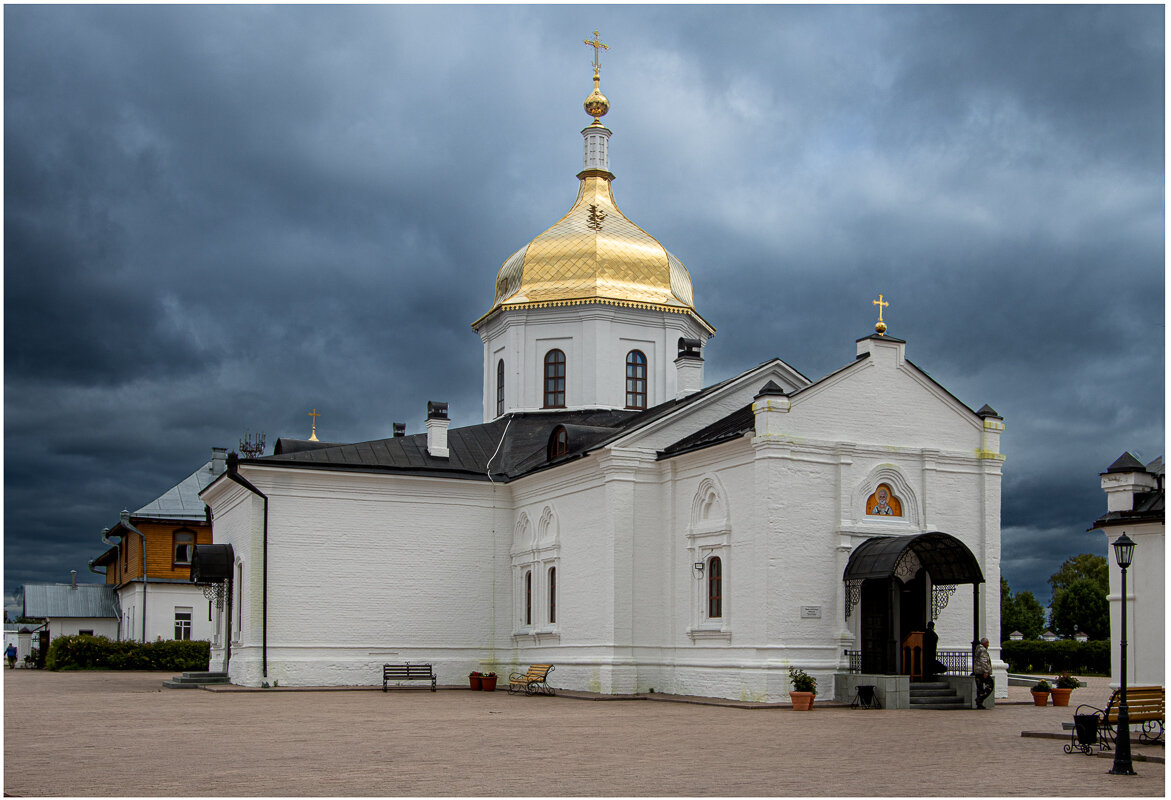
pixel 373 568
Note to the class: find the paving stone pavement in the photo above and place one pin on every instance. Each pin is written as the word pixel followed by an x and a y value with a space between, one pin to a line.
pixel 121 734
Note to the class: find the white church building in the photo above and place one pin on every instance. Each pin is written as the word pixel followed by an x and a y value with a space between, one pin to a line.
pixel 614 516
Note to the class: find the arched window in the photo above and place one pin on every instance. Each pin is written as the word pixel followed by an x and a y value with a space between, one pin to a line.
pixel 715 588
pixel 528 597
pixel 635 379
pixel 558 442
pixel 555 379
pixel 552 594
pixel 500 387
pixel 182 545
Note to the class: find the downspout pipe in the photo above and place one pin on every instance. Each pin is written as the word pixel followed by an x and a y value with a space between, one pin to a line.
pixel 117 556
pixel 125 519
pixel 233 473
pixel 117 573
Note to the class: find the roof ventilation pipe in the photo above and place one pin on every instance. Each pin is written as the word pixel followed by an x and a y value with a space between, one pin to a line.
pixel 437 423
pixel 72 579
pixel 125 518
pixel 400 430
pixel 689 368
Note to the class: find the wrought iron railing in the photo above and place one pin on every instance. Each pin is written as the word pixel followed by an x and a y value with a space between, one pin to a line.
pixel 958 662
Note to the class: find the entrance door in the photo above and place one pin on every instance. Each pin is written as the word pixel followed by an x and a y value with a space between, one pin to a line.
pixel 878 644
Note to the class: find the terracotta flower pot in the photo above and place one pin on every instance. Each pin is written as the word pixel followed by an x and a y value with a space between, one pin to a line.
pixel 1041 698
pixel 802 701
pixel 476 682
pixel 488 683
pixel 1061 696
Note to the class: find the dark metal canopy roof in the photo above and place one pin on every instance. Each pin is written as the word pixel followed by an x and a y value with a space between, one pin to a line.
pixel 946 559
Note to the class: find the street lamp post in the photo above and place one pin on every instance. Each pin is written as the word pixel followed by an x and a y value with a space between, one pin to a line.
pixel 1124 554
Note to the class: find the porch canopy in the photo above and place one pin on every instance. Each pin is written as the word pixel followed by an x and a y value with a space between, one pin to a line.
pixel 946 559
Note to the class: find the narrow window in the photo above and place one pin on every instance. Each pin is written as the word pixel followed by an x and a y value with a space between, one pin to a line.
pixel 635 380
pixel 183 544
pixel 239 600
pixel 500 387
pixel 552 594
pixel 555 379
pixel 715 580
pixel 558 442
pixel 85 633
pixel 183 624
pixel 529 598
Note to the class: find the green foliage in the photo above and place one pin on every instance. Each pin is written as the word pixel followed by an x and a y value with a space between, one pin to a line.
pixel 1067 681
pixel 1081 605
pixel 1079 658
pixel 802 681
pixel 1020 612
pixel 1085 565
pixel 1041 686
pixel 98 652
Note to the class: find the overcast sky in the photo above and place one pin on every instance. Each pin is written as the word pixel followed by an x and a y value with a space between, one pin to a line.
pixel 218 218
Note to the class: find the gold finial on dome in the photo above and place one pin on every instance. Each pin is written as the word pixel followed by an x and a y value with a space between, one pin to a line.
pixel 596 105
pixel 880 326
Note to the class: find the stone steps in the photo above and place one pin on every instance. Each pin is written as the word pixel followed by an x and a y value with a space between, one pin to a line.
pixel 935 695
pixel 194 680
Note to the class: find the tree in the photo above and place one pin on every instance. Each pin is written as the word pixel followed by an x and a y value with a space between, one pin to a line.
pixel 1081 605
pixel 1020 612
pixel 1085 565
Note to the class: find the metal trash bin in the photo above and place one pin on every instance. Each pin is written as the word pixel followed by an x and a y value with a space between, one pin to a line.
pixel 865 697
pixel 1085 735
pixel 1086 728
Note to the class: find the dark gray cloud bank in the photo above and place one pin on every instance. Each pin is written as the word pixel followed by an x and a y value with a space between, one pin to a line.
pixel 218 218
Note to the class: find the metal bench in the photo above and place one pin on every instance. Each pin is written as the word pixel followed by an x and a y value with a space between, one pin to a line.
pixel 1097 728
pixel 535 681
pixel 407 672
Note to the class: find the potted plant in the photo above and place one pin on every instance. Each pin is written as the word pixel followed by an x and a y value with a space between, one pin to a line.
pixel 1066 683
pixel 475 679
pixel 1040 692
pixel 804 689
pixel 488 681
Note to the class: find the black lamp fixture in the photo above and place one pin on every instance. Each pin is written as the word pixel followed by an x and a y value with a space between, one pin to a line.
pixel 1124 555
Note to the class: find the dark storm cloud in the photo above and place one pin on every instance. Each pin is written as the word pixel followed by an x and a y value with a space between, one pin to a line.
pixel 221 217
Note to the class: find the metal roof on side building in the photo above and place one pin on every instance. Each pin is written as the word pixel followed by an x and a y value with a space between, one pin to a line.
pixel 56 600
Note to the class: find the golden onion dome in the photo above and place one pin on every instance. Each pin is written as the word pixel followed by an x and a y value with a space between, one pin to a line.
pixel 594 254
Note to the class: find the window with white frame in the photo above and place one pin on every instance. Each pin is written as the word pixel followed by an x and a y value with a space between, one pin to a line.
pixel 709 540
pixel 183 623
pixel 536 563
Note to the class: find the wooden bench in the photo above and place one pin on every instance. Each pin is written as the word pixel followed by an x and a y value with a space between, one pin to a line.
pixel 535 681
pixel 407 672
pixel 1144 705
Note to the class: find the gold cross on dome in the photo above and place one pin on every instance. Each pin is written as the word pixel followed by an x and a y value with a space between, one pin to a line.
pixel 315 415
pixel 598 47
pixel 880 326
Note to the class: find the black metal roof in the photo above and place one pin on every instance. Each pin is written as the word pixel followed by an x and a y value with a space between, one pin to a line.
pixel 471 448
pixel 1126 463
pixel 946 559
pixel 726 429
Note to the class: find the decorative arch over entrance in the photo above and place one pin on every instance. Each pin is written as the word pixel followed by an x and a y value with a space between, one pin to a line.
pixel 887 576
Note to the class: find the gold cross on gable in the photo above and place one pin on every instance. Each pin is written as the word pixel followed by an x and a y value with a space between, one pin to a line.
pixel 598 46
pixel 315 415
pixel 880 326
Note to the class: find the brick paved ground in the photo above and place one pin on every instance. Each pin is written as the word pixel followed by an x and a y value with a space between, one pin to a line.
pixel 115 734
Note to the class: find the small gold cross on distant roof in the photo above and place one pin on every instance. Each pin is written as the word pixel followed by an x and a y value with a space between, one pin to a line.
pixel 598 46
pixel 880 326
pixel 313 435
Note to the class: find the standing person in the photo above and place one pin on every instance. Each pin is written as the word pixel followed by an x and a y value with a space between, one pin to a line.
pixel 10 654
pixel 931 665
pixel 982 669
